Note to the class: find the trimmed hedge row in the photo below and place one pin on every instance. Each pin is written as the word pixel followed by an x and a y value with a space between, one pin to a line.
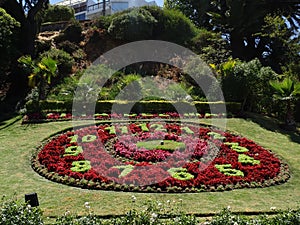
pixel 140 107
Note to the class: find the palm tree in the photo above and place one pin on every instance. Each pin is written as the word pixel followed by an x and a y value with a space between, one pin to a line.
pixel 41 72
pixel 288 91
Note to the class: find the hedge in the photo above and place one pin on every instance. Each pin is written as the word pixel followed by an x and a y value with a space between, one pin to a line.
pixel 140 107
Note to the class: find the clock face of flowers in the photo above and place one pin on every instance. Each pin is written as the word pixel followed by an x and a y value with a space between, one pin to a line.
pixel 157 156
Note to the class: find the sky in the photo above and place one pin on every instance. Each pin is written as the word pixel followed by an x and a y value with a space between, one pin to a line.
pixel 159 2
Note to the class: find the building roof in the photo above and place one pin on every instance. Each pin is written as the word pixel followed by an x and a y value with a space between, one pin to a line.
pixel 70 2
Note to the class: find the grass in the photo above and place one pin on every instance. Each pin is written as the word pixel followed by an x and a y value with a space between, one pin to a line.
pixel 168 145
pixel 17 178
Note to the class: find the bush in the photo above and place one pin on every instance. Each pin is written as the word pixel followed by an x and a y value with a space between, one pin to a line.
pixel 68 47
pixel 72 33
pixel 248 83
pixel 56 13
pixel 103 22
pixel 15 212
pixel 9 29
pixel 211 46
pixel 64 61
pixel 172 25
pixel 132 25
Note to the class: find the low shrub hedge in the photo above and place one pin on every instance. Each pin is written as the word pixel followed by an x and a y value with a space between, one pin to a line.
pixel 15 212
pixel 140 107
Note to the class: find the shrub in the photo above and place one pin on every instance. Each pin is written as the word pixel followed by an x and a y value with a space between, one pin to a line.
pixel 135 24
pixel 68 47
pixel 72 33
pixel 56 13
pixel 9 29
pixel 103 22
pixel 15 212
pixel 248 83
pixel 211 46
pixel 64 91
pixel 172 25
pixel 64 61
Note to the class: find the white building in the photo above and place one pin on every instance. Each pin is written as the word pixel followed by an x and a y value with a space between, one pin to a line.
pixel 87 9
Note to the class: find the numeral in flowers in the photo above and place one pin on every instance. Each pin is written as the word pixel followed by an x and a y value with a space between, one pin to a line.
pixel 124 130
pixel 125 170
pixel 248 160
pixel 187 130
pixel 74 138
pixel 215 135
pixel 81 166
pixel 111 130
pixel 144 127
pixel 86 138
pixel 73 151
pixel 227 170
pixel 235 146
pixel 158 127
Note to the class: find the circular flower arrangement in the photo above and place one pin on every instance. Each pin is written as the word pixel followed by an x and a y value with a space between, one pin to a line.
pixel 156 156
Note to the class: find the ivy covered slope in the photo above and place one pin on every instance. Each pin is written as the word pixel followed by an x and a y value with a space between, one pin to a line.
pixel 157 157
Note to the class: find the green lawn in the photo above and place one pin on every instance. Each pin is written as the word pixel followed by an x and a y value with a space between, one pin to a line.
pixel 161 144
pixel 18 141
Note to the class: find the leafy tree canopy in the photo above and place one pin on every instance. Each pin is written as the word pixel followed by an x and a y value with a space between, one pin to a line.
pixel 240 20
pixel 58 13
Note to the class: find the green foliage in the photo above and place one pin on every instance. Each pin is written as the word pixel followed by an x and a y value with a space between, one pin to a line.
pixel 288 91
pixel 152 213
pixel 65 90
pixel 247 82
pixel 132 25
pixel 72 33
pixel 63 59
pixel 172 26
pixel 103 22
pixel 242 22
pixel 8 27
pixel 16 212
pixel 168 145
pixel 56 13
pixel 211 46
pixel 226 217
pixel 68 46
pixel 41 72
pixel 283 43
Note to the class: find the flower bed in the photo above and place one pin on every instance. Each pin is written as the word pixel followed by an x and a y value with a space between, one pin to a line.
pixel 184 157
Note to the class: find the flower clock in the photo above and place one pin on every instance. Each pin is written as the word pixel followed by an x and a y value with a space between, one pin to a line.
pixel 157 157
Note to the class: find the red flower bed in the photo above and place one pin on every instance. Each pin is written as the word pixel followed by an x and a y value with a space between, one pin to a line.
pixel 107 157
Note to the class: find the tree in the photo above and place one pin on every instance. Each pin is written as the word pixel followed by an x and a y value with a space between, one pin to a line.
pixel 288 91
pixel 26 12
pixel 282 44
pixel 195 10
pixel 132 25
pixel 8 38
pixel 41 72
pixel 58 13
pixel 239 20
